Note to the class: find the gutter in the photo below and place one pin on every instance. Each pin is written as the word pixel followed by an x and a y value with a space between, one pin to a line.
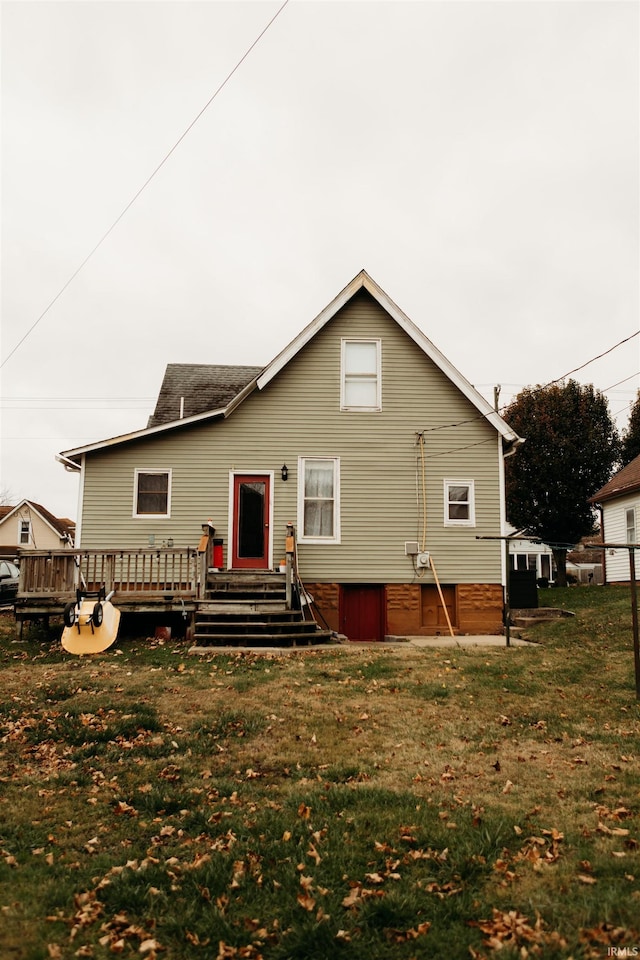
pixel 513 445
pixel 69 465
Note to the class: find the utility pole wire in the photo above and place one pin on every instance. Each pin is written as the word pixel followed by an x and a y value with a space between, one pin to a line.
pixel 143 187
pixel 593 359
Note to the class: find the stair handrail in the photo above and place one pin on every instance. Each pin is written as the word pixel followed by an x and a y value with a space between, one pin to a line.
pixel 293 576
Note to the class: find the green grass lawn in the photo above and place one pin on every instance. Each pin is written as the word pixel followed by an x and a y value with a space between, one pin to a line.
pixel 340 802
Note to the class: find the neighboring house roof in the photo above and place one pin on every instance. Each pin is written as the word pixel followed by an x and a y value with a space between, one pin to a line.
pixel 583 555
pixel 189 389
pixel 224 401
pixel 63 527
pixel 622 483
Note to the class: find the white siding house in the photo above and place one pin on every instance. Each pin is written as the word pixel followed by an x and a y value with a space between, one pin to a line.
pixel 619 502
pixel 531 555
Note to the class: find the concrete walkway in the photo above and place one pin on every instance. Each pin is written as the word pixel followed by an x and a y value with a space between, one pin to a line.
pixel 400 645
pixel 481 641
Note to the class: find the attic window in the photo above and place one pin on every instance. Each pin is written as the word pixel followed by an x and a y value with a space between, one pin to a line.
pixel 152 493
pixel 360 385
pixel 25 532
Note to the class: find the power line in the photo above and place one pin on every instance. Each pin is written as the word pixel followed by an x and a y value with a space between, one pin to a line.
pixel 593 359
pixel 613 385
pixel 76 409
pixel 539 389
pixel 83 399
pixel 143 187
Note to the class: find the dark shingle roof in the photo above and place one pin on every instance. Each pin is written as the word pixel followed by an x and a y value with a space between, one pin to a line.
pixel 64 526
pixel 624 481
pixel 202 386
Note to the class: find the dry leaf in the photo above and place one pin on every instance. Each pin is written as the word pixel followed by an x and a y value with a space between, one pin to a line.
pixel 306 901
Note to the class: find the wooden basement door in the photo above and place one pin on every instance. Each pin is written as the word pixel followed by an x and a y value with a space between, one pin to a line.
pixel 434 619
pixel 362 611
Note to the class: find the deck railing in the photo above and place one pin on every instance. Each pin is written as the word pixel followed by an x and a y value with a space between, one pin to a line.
pixel 59 572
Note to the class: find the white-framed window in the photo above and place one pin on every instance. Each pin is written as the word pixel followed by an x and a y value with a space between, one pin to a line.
pixel 459 503
pixel 630 524
pixel 152 493
pixel 361 375
pixel 319 499
pixel 24 536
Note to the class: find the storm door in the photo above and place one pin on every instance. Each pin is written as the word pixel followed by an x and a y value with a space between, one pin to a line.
pixel 251 521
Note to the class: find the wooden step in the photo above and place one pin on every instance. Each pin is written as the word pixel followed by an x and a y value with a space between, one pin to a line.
pixel 215 628
pixel 228 607
pixel 205 643
pixel 247 608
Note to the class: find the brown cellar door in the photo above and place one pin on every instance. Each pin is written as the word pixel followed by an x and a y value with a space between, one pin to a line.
pixel 362 611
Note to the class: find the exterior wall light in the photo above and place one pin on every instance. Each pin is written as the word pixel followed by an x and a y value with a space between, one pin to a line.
pixel 284 472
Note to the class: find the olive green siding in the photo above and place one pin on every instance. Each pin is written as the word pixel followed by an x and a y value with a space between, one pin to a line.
pixel 298 415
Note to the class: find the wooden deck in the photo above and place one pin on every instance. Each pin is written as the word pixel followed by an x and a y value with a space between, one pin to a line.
pixel 240 608
pixel 163 580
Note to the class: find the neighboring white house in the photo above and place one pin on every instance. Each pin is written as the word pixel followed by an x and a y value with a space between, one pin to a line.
pixel 619 502
pixel 530 555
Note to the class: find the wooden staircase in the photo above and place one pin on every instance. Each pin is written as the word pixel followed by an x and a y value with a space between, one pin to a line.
pixel 248 609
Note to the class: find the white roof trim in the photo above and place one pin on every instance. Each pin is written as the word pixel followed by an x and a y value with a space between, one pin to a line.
pixel 145 432
pixel 363 280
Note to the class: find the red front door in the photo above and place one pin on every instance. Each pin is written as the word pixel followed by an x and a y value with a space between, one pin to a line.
pixel 251 497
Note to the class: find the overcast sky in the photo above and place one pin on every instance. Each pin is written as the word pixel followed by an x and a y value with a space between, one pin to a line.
pixel 479 159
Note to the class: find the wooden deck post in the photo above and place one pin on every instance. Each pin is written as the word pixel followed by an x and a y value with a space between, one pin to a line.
pixel 289 552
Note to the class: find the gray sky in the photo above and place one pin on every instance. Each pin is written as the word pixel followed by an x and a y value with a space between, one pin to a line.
pixel 479 159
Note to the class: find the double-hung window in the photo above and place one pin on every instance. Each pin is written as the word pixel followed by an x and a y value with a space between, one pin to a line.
pixel 630 523
pixel 152 493
pixel 360 385
pixel 459 503
pixel 25 532
pixel 319 500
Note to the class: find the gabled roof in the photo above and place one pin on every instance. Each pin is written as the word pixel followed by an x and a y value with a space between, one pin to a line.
pixel 622 483
pixel 364 282
pixel 189 389
pixel 247 379
pixel 63 527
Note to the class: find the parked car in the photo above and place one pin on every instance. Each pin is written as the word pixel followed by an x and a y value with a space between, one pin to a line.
pixel 9 576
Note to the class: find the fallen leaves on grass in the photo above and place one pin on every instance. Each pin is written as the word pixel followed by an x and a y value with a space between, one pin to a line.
pixel 403 936
pixel 513 929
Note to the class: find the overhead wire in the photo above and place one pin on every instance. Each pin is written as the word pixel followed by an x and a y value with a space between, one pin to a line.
pixel 144 186
pixel 484 417
pixel 538 389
